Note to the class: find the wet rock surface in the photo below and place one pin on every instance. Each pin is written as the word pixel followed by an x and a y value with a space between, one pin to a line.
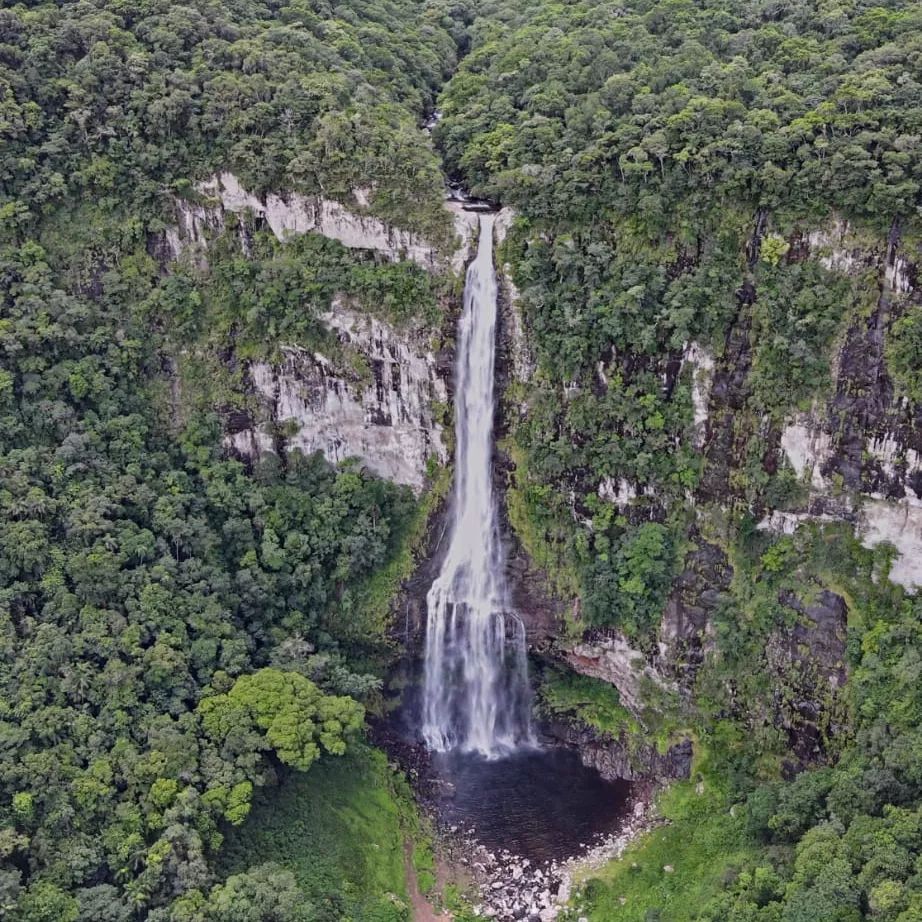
pixel 609 656
pixel 531 595
pixel 510 887
pixel 621 758
pixel 808 663
pixel 860 450
pixel 696 594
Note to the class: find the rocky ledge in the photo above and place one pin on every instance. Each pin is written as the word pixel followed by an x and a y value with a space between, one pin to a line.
pixel 618 758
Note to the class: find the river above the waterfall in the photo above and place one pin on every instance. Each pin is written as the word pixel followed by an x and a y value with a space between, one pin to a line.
pixel 539 804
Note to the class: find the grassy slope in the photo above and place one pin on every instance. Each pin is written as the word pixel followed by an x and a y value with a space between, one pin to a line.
pixel 339 828
pixel 702 844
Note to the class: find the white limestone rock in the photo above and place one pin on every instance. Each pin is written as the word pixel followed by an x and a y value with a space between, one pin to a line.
pixel 289 214
pixel 897 276
pixel 615 661
pixel 807 447
pixel 833 248
pixel 895 460
pixel 701 360
pixel 467 227
pixel 786 523
pixel 900 523
pixel 298 214
pixel 897 520
pixel 387 423
pixel 619 492
pixel 838 248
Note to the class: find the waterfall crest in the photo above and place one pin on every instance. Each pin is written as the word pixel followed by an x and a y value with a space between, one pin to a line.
pixel 476 696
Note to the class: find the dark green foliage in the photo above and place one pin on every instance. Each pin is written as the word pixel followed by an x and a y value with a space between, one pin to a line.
pixel 904 353
pixel 840 842
pixel 799 310
pixel 628 585
pixel 141 572
pixel 667 160
pixel 279 293
pixel 580 110
pixel 175 626
pixel 265 891
pixel 118 104
pixel 590 701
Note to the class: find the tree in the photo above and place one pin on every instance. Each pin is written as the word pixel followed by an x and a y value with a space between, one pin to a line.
pixel 266 893
pixel 295 717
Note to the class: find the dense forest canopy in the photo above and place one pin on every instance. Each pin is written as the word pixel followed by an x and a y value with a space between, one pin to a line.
pixel 181 630
pixel 125 103
pixel 178 629
pixel 597 108
pixel 643 145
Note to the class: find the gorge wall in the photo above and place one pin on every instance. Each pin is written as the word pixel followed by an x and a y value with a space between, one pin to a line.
pixel 378 398
pixel 855 451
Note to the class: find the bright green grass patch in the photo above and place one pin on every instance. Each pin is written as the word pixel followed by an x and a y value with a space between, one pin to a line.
pixel 703 845
pixel 340 829
pixel 591 701
pixel 424 863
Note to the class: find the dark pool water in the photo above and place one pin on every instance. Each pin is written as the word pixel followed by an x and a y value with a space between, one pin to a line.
pixel 541 804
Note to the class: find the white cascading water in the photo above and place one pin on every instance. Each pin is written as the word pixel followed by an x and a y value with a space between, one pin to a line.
pixel 476 695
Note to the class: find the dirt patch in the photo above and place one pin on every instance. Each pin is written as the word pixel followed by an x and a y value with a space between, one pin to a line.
pixel 423 910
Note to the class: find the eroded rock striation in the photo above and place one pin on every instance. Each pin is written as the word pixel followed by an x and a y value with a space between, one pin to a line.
pixel 860 450
pixel 856 453
pixel 384 416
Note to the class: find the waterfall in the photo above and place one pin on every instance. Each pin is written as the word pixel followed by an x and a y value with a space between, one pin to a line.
pixel 476 696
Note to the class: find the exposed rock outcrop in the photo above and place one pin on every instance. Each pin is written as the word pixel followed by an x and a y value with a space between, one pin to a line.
pixel 288 214
pixel 518 355
pixel 860 452
pixel 686 627
pixel 616 758
pixel 700 359
pixel 530 593
pixel 807 662
pixel 384 418
pixel 384 415
pixel 611 658
pixel 857 453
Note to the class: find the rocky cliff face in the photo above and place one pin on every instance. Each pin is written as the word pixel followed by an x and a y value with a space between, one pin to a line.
pixel 807 664
pixel 611 658
pixel 380 407
pixel 860 450
pixel 385 417
pixel 857 452
pixel 287 215
pixel 621 757
pixel 530 593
